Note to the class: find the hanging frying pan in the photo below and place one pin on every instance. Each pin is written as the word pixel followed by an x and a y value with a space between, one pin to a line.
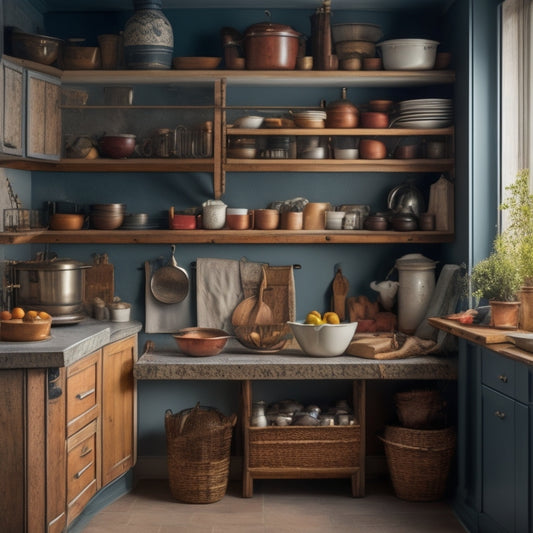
pixel 170 283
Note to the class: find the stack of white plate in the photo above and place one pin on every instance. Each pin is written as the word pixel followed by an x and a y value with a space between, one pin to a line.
pixel 310 119
pixel 424 113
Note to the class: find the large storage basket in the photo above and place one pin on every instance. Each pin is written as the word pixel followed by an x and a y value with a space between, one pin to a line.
pixel 198 451
pixel 419 461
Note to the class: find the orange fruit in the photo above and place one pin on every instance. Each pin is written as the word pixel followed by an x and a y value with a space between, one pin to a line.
pixel 44 315
pixel 31 314
pixel 17 312
pixel 5 315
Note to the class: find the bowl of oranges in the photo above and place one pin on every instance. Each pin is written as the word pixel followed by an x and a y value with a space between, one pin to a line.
pixel 19 325
pixel 323 335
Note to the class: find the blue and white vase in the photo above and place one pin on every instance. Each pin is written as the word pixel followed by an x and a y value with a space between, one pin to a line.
pixel 148 37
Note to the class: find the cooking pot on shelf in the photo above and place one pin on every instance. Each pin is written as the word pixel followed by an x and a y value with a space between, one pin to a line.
pixel 406 199
pixel 342 113
pixel 56 286
pixel 270 46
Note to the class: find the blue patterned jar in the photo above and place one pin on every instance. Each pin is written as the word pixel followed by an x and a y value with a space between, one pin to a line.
pixel 148 37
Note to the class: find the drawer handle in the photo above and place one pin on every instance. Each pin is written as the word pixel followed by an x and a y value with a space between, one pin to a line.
pixel 83 395
pixel 82 471
pixel 85 451
pixel 499 414
pixel 503 378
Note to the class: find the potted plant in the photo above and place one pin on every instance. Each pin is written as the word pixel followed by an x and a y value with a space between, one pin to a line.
pixel 518 238
pixel 497 279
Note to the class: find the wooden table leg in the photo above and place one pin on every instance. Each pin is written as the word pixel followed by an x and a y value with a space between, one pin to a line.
pixel 359 403
pixel 246 406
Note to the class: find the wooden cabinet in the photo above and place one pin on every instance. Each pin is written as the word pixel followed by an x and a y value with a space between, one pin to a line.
pixel 494 447
pixel 12 128
pixel 119 413
pixel 43 116
pixel 62 439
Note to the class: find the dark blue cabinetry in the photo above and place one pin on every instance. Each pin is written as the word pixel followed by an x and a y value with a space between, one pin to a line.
pixel 494 449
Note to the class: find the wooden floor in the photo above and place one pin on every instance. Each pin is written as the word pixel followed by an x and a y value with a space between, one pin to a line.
pixel 278 506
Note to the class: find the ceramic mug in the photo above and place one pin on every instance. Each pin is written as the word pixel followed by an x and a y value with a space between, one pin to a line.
pixel 238 218
pixel 266 219
pixel 292 220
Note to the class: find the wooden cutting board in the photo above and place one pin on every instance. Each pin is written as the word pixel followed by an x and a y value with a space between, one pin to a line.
pixel 478 334
pixel 100 280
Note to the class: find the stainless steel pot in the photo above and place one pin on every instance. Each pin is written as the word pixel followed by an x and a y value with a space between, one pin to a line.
pixel 56 286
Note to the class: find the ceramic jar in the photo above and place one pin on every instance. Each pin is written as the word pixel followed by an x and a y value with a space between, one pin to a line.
pixel 416 275
pixel 148 37
pixel 213 214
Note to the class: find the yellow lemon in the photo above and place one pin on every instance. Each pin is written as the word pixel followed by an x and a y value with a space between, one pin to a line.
pixel 316 313
pixel 311 318
pixel 331 318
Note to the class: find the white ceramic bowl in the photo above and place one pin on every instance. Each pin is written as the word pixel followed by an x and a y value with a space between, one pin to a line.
pixel 346 153
pixel 326 340
pixel 251 122
pixel 334 219
pixel 408 54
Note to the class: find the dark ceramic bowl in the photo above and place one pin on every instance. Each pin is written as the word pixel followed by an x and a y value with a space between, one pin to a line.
pixel 117 146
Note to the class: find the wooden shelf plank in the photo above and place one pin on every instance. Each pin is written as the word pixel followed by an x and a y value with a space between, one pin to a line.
pixel 225 237
pixel 337 132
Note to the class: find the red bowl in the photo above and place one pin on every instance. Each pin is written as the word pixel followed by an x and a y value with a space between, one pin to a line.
pixel 117 146
pixel 183 222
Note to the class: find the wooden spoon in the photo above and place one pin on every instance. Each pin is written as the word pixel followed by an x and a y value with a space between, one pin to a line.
pixel 340 290
pixel 253 311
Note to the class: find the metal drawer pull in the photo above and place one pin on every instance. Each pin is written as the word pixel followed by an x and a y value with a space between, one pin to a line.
pixel 502 378
pixel 83 395
pixel 499 414
pixel 81 472
pixel 85 451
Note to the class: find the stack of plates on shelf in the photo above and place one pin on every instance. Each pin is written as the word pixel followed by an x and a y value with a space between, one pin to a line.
pixel 424 113
pixel 310 119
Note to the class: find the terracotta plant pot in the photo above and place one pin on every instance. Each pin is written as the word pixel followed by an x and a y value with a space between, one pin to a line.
pixel 526 308
pixel 504 315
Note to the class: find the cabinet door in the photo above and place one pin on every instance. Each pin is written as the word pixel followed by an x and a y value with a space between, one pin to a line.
pixel 119 425
pixel 13 93
pixel 43 116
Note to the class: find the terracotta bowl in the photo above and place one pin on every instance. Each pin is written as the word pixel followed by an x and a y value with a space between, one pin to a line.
pixel 373 119
pixel 16 330
pixel 117 146
pixel 81 58
pixel 201 342
pixel 66 221
pixel 266 219
pixel 372 149
pixel 381 106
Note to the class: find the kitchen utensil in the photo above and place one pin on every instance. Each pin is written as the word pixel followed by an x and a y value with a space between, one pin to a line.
pixel 374 119
pixel 238 219
pixel 372 63
pixel 201 342
pixel 38 48
pixel 249 121
pixel 372 149
pixel 17 330
pixel 304 63
pixel 381 106
pixel 340 287
pixel 427 221
pixel 253 310
pixel 314 215
pixel 406 198
pixel 342 113
pixel 119 312
pixel 356 31
pixel 351 63
pixel 404 222
pixel 99 281
pixel 81 57
pixel 55 286
pixel 213 214
pixel 66 221
pixel 196 63
pixel 271 337
pixel 326 340
pixel 170 283
pixel 117 146
pixel 408 54
pixel 334 219
pixel 441 202
pixel 105 221
pixel 109 50
pixel 266 219
pixel 270 46
pixel 322 45
pixel 363 49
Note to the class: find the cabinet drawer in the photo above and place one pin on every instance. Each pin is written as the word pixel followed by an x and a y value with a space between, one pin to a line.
pixel 498 372
pixel 81 464
pixel 82 392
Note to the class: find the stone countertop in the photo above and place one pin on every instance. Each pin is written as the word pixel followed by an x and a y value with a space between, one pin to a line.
pixel 67 344
pixel 235 364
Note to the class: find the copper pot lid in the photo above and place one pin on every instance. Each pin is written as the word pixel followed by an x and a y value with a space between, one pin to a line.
pixel 267 29
pixel 343 105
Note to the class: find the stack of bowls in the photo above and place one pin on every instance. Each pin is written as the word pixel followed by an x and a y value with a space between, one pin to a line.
pixel 355 40
pixel 310 119
pixel 107 216
pixel 242 148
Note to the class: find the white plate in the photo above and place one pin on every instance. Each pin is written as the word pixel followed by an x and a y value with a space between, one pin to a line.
pixel 421 124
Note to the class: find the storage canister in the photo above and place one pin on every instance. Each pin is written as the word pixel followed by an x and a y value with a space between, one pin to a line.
pixel 269 46
pixel 416 275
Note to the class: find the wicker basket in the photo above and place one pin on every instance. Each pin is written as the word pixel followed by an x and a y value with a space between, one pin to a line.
pixel 419 461
pixel 305 447
pixel 198 453
pixel 421 409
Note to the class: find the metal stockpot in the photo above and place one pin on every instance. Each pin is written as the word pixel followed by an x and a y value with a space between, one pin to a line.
pixel 56 286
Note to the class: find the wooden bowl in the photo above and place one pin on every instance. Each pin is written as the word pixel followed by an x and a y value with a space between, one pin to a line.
pixel 196 63
pixel 201 342
pixel 16 330
pixel 38 48
pixel 66 221
pixel 81 58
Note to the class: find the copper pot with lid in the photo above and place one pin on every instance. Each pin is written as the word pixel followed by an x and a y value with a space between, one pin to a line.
pixel 270 46
pixel 342 113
